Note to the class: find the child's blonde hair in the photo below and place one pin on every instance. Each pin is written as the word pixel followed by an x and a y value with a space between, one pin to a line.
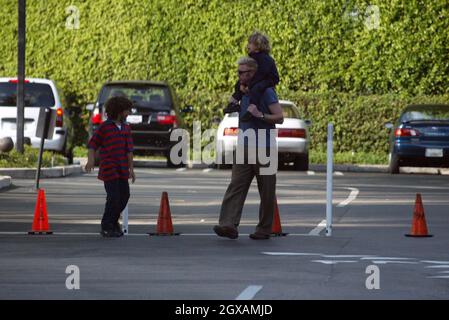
pixel 261 41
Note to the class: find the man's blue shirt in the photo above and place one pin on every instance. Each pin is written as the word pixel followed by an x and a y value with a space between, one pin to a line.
pixel 269 97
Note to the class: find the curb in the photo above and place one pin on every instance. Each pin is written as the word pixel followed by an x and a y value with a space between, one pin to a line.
pixel 363 168
pixel 152 163
pixel 5 182
pixel 379 169
pixel 30 173
pixel 351 168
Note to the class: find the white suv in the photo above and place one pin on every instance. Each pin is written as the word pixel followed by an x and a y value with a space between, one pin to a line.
pixel 38 93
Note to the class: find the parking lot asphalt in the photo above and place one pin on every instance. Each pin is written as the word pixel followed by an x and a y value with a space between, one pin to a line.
pixel 372 212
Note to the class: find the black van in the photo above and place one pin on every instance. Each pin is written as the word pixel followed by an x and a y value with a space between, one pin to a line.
pixel 155 113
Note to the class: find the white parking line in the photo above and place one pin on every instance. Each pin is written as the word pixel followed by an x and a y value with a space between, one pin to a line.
pixel 338 173
pixel 207 170
pixel 322 225
pixel 317 230
pixel 181 169
pixel 292 254
pixel 392 261
pixel 343 255
pixel 439 266
pixel 25 233
pixel 385 258
pixel 249 293
pixel 311 173
pixel 352 196
pixel 334 261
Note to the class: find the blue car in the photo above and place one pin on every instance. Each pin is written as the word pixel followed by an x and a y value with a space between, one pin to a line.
pixel 420 137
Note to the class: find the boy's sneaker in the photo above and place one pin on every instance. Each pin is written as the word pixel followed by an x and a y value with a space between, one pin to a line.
pixel 232 107
pixel 118 229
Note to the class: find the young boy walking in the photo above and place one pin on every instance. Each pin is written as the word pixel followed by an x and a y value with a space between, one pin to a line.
pixel 113 139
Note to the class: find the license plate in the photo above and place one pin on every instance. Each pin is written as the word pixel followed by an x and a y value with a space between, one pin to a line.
pixel 434 153
pixel 11 126
pixel 134 119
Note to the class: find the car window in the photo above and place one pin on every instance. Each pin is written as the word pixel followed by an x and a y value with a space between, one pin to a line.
pixel 36 95
pixel 142 95
pixel 425 113
pixel 290 111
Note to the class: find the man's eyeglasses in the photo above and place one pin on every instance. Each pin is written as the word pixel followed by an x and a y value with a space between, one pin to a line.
pixel 240 72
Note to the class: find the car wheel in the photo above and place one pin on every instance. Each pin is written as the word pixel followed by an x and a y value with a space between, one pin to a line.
pixel 393 164
pixel 302 162
pixel 68 153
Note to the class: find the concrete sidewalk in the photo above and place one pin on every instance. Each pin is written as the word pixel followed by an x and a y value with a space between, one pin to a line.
pixel 30 173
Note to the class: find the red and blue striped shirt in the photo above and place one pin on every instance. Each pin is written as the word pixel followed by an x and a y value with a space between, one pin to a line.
pixel 114 145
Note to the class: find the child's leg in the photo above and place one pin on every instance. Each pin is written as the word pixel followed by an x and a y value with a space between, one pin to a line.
pixel 257 89
pixel 112 205
pixel 124 197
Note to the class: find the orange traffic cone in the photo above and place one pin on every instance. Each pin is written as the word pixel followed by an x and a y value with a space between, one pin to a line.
pixel 419 226
pixel 164 223
pixel 276 230
pixel 40 222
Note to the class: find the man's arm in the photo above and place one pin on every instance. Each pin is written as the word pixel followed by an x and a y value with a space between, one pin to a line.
pixel 276 115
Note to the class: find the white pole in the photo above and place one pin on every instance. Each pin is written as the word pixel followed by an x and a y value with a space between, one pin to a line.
pixel 125 220
pixel 330 169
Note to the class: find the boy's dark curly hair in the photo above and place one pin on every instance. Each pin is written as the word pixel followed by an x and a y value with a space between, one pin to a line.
pixel 114 106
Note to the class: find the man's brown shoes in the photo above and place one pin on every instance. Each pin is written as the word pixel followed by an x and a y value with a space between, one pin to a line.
pixel 225 231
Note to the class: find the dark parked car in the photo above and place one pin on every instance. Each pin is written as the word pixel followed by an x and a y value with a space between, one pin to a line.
pixel 420 137
pixel 154 115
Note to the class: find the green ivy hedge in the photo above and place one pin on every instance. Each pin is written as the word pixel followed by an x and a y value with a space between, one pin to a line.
pixel 321 47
